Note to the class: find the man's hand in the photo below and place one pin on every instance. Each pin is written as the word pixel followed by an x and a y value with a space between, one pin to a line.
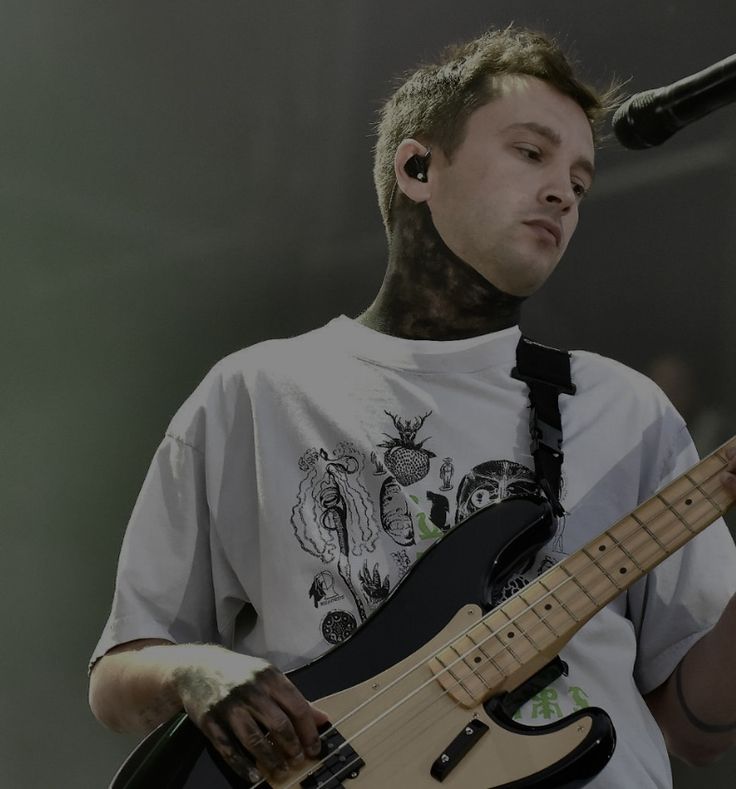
pixel 251 713
pixel 239 702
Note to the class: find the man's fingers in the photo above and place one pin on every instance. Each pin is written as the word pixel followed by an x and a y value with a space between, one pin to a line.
pixel 265 722
pixel 229 749
pixel 300 711
pixel 259 743
pixel 320 717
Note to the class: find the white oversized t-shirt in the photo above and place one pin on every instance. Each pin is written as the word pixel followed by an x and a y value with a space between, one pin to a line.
pixel 303 477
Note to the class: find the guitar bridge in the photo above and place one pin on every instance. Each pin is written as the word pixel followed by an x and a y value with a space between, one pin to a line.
pixel 338 762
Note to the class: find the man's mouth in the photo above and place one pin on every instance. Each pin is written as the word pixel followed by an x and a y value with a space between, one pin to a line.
pixel 548 226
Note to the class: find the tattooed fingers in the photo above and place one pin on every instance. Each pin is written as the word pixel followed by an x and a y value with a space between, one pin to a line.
pixel 254 716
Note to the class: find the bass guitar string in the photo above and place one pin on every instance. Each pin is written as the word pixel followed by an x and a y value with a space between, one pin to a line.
pixel 492 634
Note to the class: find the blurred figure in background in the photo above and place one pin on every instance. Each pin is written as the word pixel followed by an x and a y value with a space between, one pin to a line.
pixel 710 424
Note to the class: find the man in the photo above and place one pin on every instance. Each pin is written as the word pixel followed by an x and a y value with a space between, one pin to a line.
pixel 292 491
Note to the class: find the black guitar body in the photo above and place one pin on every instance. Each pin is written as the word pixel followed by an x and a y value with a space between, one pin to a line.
pixel 460 568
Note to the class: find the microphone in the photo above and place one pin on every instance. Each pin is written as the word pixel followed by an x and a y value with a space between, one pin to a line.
pixel 649 118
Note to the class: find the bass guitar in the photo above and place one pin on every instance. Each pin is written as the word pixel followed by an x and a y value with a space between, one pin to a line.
pixel 425 695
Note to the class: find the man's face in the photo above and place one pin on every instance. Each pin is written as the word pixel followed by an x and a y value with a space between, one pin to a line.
pixel 508 202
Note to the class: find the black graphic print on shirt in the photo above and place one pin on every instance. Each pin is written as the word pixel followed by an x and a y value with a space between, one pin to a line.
pixel 491 482
pixel 322 591
pixel 352 507
pixel 337 626
pixel 447 471
pixel 376 588
pixel 404 457
pixel 332 519
pixel 439 511
pixel 396 518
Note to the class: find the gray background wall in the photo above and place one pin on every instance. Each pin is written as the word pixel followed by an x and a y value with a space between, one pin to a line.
pixel 181 179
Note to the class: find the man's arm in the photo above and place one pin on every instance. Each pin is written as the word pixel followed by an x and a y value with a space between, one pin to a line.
pixel 238 701
pixel 696 706
pixel 699 720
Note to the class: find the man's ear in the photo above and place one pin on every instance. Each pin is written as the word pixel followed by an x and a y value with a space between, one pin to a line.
pixel 411 166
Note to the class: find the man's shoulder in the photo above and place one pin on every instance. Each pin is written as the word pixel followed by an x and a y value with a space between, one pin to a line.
pixel 232 383
pixel 280 355
pixel 593 370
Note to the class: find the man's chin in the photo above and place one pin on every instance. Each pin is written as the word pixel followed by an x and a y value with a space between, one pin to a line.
pixel 515 288
pixel 522 282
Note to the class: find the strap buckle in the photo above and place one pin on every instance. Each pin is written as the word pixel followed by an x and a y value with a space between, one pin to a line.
pixel 544 435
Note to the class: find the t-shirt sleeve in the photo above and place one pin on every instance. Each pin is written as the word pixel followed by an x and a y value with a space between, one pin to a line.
pixel 681 600
pixel 164 583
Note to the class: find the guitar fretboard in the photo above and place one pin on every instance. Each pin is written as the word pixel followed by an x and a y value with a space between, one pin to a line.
pixel 516 639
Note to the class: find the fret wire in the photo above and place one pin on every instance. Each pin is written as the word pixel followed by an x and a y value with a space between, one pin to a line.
pixel 646 528
pixel 539 616
pixel 507 647
pixel 577 583
pixel 556 599
pixel 524 632
pixel 623 549
pixel 490 658
pixel 596 562
pixel 448 670
pixel 473 670
pixel 705 495
pixel 671 508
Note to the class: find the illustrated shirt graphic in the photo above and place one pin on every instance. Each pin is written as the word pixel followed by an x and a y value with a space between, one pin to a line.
pixel 491 482
pixel 406 459
pixel 378 468
pixel 403 562
pixel 552 704
pixel 439 511
pixel 376 588
pixel 425 528
pixel 545 705
pixel 395 515
pixel 322 590
pixel 337 626
pixel 447 471
pixel 332 519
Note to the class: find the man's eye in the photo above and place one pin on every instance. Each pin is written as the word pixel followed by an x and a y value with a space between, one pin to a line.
pixel 579 189
pixel 530 153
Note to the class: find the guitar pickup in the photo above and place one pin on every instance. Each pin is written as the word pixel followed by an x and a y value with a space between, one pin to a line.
pixel 338 762
pixel 449 759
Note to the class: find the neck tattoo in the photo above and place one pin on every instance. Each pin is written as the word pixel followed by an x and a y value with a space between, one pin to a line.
pixel 429 293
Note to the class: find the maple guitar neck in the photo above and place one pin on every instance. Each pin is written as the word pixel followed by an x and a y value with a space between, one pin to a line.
pixel 515 640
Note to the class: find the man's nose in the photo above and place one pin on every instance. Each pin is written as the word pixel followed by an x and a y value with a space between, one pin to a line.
pixel 560 192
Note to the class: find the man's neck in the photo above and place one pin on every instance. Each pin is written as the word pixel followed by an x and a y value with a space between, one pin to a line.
pixel 429 293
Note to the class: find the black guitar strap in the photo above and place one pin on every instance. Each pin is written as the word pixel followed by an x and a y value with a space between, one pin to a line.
pixel 546 371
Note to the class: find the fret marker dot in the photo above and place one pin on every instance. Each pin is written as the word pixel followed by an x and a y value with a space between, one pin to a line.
pixel 510 635
pixel 548 607
pixel 688 502
pixel 477 659
pixel 601 547
pixel 623 571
